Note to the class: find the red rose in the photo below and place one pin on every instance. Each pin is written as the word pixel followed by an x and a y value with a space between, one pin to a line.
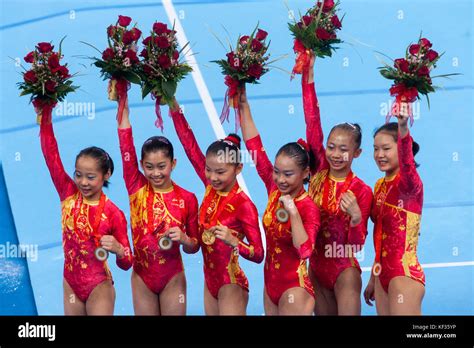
pixel 147 69
pixel 124 21
pixel 30 77
pixel 256 46
pixel 322 34
pixel 132 55
pixel 160 28
pixel 423 71
pixel 162 42
pixel 30 57
pixel 425 43
pixel 127 38
pixel 111 30
pixel 164 61
pixel 336 22
pixel 44 47
pixel 144 53
pixel 431 55
pixel 50 86
pixel 255 70
pixel 108 54
pixel 328 5
pixel 261 35
pixel 175 55
pixel 136 33
pixel 244 39
pixel 402 65
pixel 234 61
pixel 307 20
pixel 53 61
pixel 63 71
pixel 146 41
pixel 414 49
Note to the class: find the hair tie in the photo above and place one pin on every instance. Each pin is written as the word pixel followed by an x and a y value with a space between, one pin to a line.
pixel 303 144
pixel 232 140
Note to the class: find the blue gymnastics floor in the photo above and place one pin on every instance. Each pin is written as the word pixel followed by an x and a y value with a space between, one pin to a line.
pixel 349 88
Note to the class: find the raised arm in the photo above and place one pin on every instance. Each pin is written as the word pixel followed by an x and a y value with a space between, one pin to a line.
pixel 63 183
pixel 314 131
pixel 134 179
pixel 410 181
pixel 254 142
pixel 189 142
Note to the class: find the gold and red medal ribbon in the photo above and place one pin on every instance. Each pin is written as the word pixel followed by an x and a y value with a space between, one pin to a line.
pixel 96 222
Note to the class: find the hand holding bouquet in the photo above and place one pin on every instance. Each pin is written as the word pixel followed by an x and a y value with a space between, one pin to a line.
pixel 160 69
pixel 47 81
pixel 411 76
pixel 119 61
pixel 244 64
pixel 315 33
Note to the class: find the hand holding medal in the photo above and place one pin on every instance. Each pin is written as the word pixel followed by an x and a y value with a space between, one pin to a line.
pixel 283 214
pixel 108 243
pixel 225 234
pixel 348 204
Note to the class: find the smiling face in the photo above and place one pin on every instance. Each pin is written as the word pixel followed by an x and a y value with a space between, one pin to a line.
pixel 288 175
pixel 386 153
pixel 89 178
pixel 221 175
pixel 157 168
pixel 341 150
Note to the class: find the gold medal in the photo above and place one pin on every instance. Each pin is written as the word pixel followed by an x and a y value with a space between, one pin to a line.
pixel 208 237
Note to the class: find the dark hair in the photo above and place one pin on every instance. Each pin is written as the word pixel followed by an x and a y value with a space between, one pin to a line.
pixel 158 143
pixel 104 160
pixel 392 129
pixel 352 128
pixel 300 155
pixel 231 144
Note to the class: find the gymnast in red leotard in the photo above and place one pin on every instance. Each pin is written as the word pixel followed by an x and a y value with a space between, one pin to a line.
pixel 288 289
pixel 163 217
pixel 398 281
pixel 90 221
pixel 226 217
pixel 344 201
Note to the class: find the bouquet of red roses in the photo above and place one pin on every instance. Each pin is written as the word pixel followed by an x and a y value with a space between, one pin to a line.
pixel 244 64
pixel 47 81
pixel 119 61
pixel 315 31
pixel 160 68
pixel 412 75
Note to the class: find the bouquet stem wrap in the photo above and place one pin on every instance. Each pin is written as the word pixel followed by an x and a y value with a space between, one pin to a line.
pixel 231 100
pixel 159 119
pixel 46 110
pixel 303 58
pixel 402 94
pixel 118 91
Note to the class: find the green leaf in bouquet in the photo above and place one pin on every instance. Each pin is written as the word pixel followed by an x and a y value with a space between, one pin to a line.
pixel 169 88
pixel 146 89
pixel 131 77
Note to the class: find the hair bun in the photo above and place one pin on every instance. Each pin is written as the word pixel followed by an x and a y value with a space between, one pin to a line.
pixel 234 139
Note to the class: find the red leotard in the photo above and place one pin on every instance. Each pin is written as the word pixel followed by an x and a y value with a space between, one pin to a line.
pixel 337 239
pixel 175 207
pixel 396 213
pixel 285 265
pixel 233 209
pixel 82 271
